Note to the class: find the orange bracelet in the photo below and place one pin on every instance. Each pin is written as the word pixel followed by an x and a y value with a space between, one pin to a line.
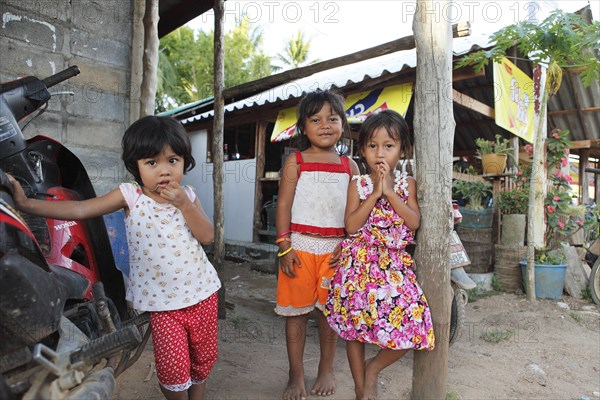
pixel 284 233
pixel 283 239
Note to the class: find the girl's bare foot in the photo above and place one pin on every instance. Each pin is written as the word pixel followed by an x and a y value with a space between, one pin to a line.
pixel 371 375
pixel 324 385
pixel 295 389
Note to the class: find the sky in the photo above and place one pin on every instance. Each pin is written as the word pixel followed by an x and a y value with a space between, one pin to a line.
pixel 346 26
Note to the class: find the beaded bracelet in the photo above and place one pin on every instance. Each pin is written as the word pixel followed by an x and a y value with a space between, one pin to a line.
pixel 284 233
pixel 283 239
pixel 283 253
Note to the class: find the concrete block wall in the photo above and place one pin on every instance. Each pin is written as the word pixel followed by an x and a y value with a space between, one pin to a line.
pixel 42 37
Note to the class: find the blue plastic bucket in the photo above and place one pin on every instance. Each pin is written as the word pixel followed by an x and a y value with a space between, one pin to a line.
pixel 549 279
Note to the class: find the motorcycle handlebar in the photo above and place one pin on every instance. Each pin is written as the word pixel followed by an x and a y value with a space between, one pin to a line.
pixel 61 76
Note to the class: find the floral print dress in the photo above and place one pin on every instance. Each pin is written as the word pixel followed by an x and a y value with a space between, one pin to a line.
pixel 375 297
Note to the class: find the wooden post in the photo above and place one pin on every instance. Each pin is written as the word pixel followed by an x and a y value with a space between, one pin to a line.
pixel 217 150
pixel 137 54
pixel 597 187
pixel 496 222
pixel 434 137
pixel 584 183
pixel 514 143
pixel 261 137
pixel 537 193
pixel 150 59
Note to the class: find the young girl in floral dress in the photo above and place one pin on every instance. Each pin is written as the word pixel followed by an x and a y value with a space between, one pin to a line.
pixel 375 297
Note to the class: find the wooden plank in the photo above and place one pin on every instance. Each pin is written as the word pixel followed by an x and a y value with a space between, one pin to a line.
pixel 585 144
pixel 581 144
pixel 573 111
pixel 467 177
pixel 472 104
pixel 584 162
pixel 261 137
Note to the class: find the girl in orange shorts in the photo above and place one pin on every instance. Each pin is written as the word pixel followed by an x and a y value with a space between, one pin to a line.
pixel 310 224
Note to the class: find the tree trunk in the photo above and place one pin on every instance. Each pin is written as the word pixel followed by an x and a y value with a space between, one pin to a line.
pixel 434 137
pixel 537 185
pixel 137 54
pixel 217 151
pixel 150 59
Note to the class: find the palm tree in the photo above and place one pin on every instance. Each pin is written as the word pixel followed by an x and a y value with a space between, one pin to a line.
pixel 296 51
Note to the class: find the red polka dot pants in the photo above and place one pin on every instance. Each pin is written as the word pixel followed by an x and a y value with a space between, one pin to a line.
pixel 185 344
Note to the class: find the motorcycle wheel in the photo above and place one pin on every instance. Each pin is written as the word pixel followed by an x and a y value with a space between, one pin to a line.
pixel 5 392
pixel 457 316
pixel 595 282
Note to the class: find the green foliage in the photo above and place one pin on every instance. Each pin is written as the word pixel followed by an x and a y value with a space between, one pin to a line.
pixel 474 295
pixel 500 146
pixel 586 293
pixel 484 146
pixel 474 192
pixel 496 336
pixel 516 200
pixel 548 256
pixel 591 224
pixel 452 395
pixel 563 40
pixel 562 218
pixel 296 51
pixel 496 284
pixel 186 72
pixel 513 201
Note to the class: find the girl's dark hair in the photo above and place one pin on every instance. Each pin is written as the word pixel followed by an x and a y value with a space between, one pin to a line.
pixel 396 127
pixel 312 104
pixel 148 136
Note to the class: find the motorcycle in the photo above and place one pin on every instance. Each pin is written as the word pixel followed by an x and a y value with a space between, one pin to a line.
pixel 459 279
pixel 57 320
pixel 593 258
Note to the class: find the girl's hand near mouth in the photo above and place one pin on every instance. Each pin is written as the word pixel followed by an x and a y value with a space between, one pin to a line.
pixel 175 195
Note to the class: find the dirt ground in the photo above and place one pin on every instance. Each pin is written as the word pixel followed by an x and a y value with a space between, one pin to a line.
pixel 509 349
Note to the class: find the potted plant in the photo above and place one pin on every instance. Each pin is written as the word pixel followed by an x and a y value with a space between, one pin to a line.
pixel 474 197
pixel 513 208
pixel 562 220
pixel 493 154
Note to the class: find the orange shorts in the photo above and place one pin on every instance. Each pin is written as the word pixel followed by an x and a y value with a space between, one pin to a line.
pixel 300 295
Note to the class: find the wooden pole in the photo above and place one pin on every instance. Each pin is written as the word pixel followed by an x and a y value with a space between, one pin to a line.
pixel 261 137
pixel 137 54
pixel 150 59
pixel 537 187
pixel 584 182
pixel 434 137
pixel 217 150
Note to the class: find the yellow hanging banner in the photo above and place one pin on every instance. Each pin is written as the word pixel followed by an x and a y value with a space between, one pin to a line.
pixel 358 107
pixel 513 94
